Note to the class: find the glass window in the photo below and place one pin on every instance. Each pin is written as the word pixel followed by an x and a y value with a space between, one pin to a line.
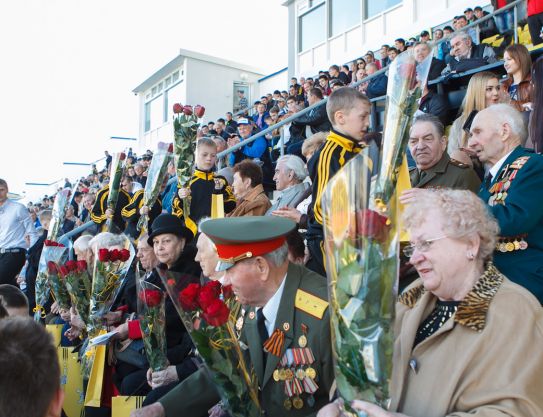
pixel 160 86
pixel 153 91
pixel 167 82
pixel 175 76
pixel 345 15
pixel 374 7
pixel 174 96
pixel 156 117
pixel 147 122
pixel 312 28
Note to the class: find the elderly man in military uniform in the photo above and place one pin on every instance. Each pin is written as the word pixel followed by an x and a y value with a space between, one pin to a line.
pixel 512 190
pixel 435 169
pixel 286 320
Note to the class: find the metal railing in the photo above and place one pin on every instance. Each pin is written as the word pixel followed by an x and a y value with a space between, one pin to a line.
pixel 323 102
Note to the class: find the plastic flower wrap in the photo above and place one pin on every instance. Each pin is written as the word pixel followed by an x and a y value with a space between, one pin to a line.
pixel 210 313
pixel 51 252
pixel 62 199
pixel 152 318
pixel 156 174
pixel 78 285
pixel 362 236
pixel 116 174
pixel 185 124
pixel 56 275
pixel 110 268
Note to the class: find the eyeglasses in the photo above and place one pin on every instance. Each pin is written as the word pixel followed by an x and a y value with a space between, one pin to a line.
pixel 421 246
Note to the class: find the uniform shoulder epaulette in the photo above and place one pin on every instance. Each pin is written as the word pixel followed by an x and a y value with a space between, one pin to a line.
pixel 310 304
pixel 459 164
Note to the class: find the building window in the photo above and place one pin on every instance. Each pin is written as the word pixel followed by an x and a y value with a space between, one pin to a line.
pixel 175 76
pixel 175 95
pixel 344 15
pixel 312 27
pixel 373 7
pixel 147 117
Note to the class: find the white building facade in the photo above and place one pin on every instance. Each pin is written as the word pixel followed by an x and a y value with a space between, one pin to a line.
pixel 191 78
pixel 327 32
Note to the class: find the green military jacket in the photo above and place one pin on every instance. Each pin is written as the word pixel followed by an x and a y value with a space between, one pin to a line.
pixel 298 316
pixel 447 173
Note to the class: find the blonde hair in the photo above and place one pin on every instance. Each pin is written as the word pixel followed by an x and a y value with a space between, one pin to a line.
pixel 475 98
pixel 462 214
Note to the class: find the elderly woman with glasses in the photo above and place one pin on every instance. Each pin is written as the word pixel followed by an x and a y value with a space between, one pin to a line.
pixel 468 340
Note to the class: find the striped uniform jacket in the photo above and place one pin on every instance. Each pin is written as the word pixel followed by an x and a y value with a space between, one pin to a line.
pixel 131 213
pixel 335 152
pixel 202 186
pixel 98 212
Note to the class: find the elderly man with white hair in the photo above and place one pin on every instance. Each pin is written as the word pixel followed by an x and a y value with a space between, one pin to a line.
pixel 290 173
pixel 512 190
pixel 467 55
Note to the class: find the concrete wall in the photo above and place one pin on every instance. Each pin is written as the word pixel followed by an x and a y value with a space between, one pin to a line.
pixel 279 81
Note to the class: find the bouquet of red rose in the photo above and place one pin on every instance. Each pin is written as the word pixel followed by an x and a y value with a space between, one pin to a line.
pixel 55 276
pixel 114 183
pixel 210 313
pixel 185 124
pixel 110 268
pixel 156 174
pixel 78 284
pixel 152 318
pixel 51 252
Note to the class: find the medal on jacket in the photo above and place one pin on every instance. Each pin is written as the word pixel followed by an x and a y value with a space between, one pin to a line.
pixel 302 340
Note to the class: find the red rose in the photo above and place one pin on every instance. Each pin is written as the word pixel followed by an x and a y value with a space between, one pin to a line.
pixel 103 255
pixel 188 297
pixel 170 148
pixel 114 255
pixel 227 292
pixel 206 296
pixel 215 286
pixel 81 266
pixel 51 267
pixel 71 265
pixel 171 282
pixel 187 110
pixel 177 108
pixel 216 314
pixel 151 298
pixel 199 111
pixel 63 270
pixel 124 255
pixel 372 225
pixel 122 156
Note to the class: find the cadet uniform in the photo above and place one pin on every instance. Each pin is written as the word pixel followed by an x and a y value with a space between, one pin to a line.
pixel 298 372
pixel 329 159
pixel 515 198
pixel 131 213
pixel 98 212
pixel 447 173
pixel 202 186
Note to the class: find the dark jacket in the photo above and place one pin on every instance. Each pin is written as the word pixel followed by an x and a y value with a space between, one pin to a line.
pixel 317 119
pixel 488 28
pixel 377 86
pixel 436 67
pixel 436 104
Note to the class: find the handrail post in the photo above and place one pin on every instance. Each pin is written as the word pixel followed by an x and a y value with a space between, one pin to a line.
pixel 515 23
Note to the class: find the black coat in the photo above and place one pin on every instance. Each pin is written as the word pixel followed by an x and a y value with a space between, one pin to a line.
pixel 436 67
pixel 436 104
pixel 317 119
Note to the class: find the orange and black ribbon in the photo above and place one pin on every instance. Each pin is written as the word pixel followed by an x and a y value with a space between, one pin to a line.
pixel 275 342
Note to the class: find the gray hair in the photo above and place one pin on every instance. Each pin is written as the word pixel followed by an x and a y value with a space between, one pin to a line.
pixel 279 256
pixel 295 164
pixel 82 243
pixel 506 114
pixel 434 120
pixel 106 240
pixel 462 35
pixel 45 215
pixel 462 214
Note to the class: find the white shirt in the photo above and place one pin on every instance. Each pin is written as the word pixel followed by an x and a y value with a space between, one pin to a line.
pixel 496 167
pixel 15 224
pixel 272 307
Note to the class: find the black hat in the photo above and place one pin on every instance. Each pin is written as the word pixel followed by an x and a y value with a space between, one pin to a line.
pixel 168 223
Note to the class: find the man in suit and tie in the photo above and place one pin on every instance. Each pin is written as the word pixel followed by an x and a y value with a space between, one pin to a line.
pixel 512 190
pixel 285 328
pixel 435 169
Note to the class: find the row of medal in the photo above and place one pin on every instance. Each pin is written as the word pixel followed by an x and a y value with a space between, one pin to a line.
pixel 499 189
pixel 512 244
pixel 299 376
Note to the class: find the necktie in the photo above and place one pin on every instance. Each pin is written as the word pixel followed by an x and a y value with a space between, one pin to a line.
pixel 262 331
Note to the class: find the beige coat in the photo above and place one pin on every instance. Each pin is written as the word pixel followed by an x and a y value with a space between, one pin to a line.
pixel 255 203
pixel 487 360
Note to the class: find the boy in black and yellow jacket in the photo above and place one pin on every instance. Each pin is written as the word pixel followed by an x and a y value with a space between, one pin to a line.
pixel 203 184
pixel 349 113
pixel 132 212
pixel 99 212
